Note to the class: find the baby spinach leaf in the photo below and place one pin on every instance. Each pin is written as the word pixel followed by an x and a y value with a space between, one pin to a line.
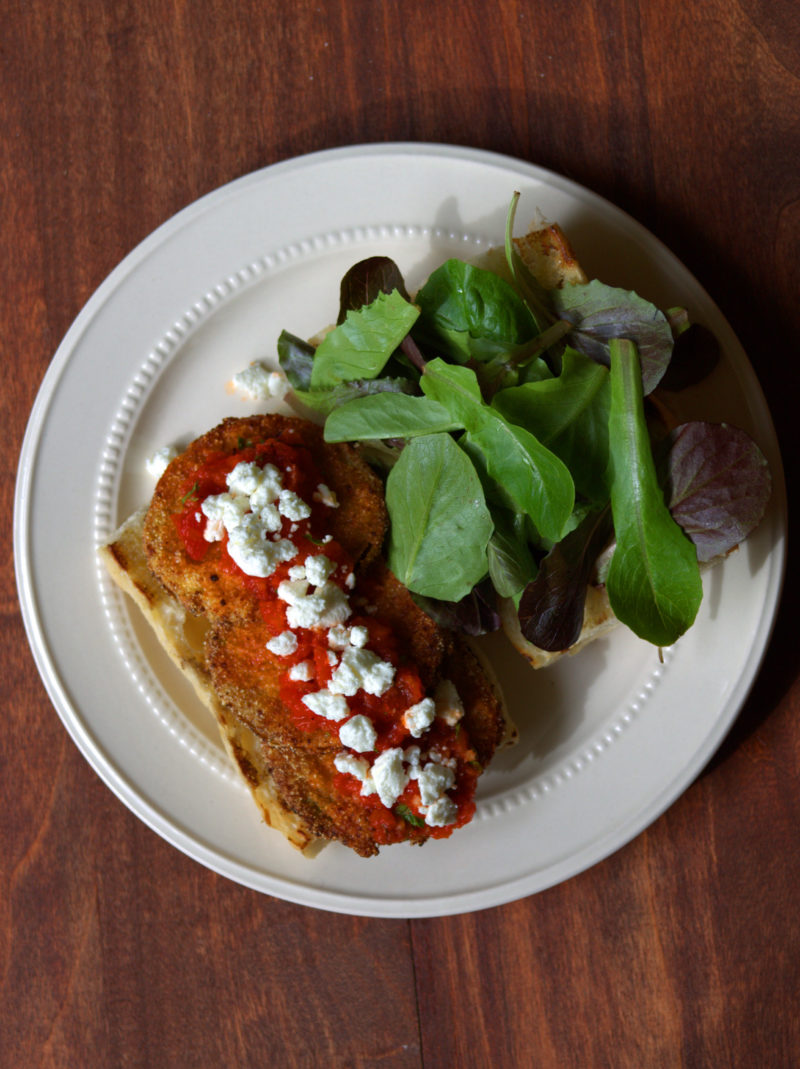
pixel 440 524
pixel 467 312
pixel 387 416
pixel 533 477
pixel 569 415
pixel 535 371
pixel 653 580
pixel 296 358
pixel 328 400
pixel 600 313
pixel 552 606
pixel 367 279
pixel 360 347
pixel 718 485
pixel 475 614
pixel 511 563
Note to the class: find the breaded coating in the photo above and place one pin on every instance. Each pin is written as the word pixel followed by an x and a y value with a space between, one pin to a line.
pixel 304 779
pixel 207 587
pixel 248 682
pixel 300 760
pixel 484 718
pixel 425 641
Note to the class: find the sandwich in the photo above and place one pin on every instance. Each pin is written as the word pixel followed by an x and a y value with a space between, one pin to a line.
pixel 351 715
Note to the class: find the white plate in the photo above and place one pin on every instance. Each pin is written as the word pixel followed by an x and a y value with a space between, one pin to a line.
pixel 608 739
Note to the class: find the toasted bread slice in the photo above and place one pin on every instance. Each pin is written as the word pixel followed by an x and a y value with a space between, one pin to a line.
pixel 548 255
pixel 183 638
pixel 598 620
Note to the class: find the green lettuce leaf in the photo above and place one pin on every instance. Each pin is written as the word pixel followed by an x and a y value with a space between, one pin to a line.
pixel 440 525
pixel 467 312
pixel 653 580
pixel 533 477
pixel 360 347
pixel 568 414
pixel 387 416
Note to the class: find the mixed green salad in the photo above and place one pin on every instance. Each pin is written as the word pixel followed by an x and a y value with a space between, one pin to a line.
pixel 524 450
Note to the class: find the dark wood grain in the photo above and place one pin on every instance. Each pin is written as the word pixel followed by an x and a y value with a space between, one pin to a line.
pixel 682 949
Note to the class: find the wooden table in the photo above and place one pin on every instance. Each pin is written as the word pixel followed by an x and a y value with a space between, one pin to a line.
pixel 681 949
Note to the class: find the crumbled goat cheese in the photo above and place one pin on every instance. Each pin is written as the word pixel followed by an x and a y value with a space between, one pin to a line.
pixel 330 706
pixel 338 637
pixel 358 733
pixel 297 572
pixel 433 780
pixel 245 478
pixel 442 812
pixel 292 506
pixel 440 759
pixel 389 776
pixel 341 637
pixel 318 569
pixel 248 547
pixel 411 756
pixel 324 494
pixel 333 660
pixel 157 464
pixel 258 383
pixel 361 670
pixel 359 636
pixel 302 672
pixel 327 606
pixel 418 718
pixel 268 488
pixel 270 518
pixel 448 703
pixel 223 512
pixel 284 644
pixel 358 767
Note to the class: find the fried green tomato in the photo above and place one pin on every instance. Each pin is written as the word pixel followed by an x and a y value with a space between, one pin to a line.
pixel 199 573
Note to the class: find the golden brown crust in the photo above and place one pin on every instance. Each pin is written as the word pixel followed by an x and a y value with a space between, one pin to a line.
pixel 549 256
pixel 305 781
pixel 205 587
pixel 247 682
pixel 421 636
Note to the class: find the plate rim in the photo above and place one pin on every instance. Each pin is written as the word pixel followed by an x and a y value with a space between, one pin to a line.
pixel 428 904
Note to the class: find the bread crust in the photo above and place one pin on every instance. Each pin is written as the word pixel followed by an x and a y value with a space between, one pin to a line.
pixel 182 636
